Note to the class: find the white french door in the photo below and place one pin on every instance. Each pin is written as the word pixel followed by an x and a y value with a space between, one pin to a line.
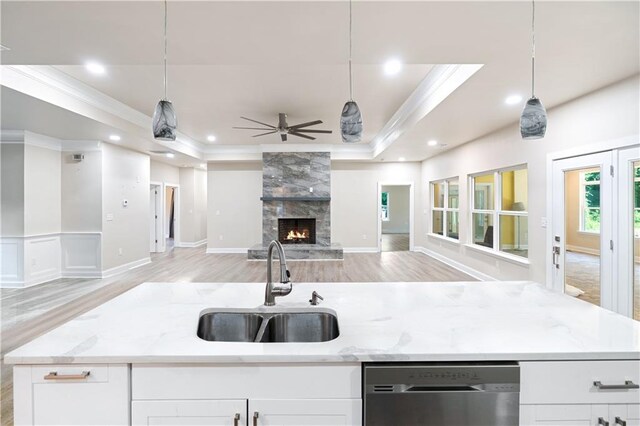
pixel 595 224
pixel 582 228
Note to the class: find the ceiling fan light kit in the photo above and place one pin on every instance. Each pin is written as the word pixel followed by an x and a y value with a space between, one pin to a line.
pixel 165 120
pixel 533 120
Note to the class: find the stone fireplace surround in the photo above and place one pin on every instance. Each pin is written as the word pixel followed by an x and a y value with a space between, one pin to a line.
pixel 297 185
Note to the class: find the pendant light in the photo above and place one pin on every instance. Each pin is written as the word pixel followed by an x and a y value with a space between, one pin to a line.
pixel 351 118
pixel 533 121
pixel 164 117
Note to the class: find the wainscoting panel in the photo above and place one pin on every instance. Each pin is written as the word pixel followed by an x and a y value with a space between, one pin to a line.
pixel 41 259
pixel 11 262
pixel 81 255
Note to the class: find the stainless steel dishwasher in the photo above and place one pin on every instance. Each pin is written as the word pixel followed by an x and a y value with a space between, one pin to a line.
pixel 438 394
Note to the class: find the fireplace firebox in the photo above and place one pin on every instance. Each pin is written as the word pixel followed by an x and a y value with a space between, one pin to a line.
pixel 297 231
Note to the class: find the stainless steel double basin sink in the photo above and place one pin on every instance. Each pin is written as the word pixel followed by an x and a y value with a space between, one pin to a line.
pixel 268 326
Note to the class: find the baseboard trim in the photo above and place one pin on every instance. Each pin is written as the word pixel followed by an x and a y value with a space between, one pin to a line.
pixel 126 267
pixel 360 249
pixel 216 250
pixel 584 250
pixel 192 245
pixel 455 264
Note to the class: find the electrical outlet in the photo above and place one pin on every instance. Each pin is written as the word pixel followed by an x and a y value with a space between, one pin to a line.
pixel 120 251
pixel 217 212
pixel 364 236
pixel 543 222
pixel 220 237
pixel 109 217
pixel 33 262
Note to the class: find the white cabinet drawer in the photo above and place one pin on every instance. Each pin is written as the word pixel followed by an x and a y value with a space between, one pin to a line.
pixel 245 381
pixel 70 397
pixel 572 382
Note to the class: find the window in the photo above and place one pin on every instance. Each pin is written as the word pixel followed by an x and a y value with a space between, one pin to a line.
pixel 444 208
pixel 590 201
pixel 499 211
pixel 384 202
pixel 636 202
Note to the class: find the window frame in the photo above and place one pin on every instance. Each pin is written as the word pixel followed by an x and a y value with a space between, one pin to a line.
pixel 445 209
pixel 496 212
pixel 583 203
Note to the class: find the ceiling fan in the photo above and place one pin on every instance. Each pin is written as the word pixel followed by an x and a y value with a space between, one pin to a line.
pixel 284 129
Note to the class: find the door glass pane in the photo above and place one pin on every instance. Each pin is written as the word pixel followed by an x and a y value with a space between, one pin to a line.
pixel 483 192
pixel 438 194
pixel 452 224
pixel 437 222
pixel 582 234
pixel 453 194
pixel 514 190
pixel 513 235
pixel 636 240
pixel 483 229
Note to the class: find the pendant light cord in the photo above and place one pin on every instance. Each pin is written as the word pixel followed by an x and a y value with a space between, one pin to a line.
pixel 350 71
pixel 533 48
pixel 165 50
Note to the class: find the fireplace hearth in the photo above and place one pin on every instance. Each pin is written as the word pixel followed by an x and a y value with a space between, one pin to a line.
pixel 297 230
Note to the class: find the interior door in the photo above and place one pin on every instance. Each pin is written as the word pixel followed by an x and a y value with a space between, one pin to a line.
pixel 153 218
pixel 582 224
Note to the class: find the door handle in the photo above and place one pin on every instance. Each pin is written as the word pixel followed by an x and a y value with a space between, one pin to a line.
pixel 236 419
pixel 621 422
pixel 255 418
pixel 602 421
pixel 628 384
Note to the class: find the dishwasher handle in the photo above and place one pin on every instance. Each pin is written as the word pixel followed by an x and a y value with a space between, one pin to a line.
pixel 444 388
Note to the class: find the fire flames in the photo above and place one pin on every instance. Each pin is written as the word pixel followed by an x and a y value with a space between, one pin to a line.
pixel 296 235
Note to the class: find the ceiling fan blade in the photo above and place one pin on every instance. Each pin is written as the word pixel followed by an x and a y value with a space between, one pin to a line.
pixel 250 128
pixel 262 134
pixel 283 136
pixel 259 122
pixel 313 131
pixel 282 120
pixel 300 135
pixel 309 123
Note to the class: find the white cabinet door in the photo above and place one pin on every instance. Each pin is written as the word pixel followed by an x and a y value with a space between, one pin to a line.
pixel 231 412
pixel 71 395
pixel 624 415
pixel 305 412
pixel 564 415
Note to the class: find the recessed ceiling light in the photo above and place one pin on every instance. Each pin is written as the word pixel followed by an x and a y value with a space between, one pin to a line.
pixel 513 99
pixel 114 138
pixel 170 154
pixel 401 159
pixel 432 142
pixel 95 68
pixel 392 67
pixel 211 138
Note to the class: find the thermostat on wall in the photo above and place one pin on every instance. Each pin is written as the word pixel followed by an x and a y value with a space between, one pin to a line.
pixel 125 203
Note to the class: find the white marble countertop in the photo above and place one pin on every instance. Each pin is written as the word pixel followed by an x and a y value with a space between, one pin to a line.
pixel 156 323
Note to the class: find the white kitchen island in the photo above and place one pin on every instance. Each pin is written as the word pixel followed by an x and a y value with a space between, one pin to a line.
pixel 146 365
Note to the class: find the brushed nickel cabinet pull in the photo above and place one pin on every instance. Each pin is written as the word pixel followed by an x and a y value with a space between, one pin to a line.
pixel 628 384
pixel 621 422
pixel 55 376
pixel 236 419
pixel 255 418
pixel 602 422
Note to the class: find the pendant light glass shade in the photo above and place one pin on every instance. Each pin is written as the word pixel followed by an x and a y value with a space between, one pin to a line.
pixel 351 122
pixel 165 121
pixel 533 120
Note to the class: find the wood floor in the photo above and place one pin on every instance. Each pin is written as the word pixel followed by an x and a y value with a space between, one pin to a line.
pixel 395 242
pixel 31 312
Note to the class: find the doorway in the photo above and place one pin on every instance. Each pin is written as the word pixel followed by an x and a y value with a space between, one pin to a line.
pixel 155 218
pixel 171 213
pixel 395 217
pixel 595 229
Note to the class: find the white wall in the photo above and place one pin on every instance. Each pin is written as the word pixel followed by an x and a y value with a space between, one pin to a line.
pixel 42 189
pixel 12 189
pixel 234 213
pixel 125 238
pixel 399 206
pixel 81 195
pixel 606 114
pixel 354 199
pixel 193 209
pixel 162 172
